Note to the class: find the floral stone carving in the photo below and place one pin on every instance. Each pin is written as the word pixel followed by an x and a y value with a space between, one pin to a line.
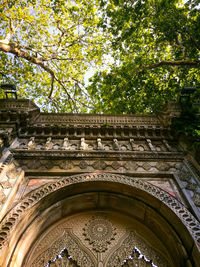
pixel 73 249
pixel 127 248
pixel 99 232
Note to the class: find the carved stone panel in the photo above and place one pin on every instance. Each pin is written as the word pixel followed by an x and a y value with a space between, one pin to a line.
pixel 94 239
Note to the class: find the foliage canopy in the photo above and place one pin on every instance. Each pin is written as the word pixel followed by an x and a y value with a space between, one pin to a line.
pixel 47 47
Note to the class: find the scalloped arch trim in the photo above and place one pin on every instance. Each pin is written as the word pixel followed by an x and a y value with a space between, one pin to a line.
pixel 36 196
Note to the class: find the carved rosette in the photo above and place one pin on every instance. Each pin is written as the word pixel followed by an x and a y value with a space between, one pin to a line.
pixel 100 233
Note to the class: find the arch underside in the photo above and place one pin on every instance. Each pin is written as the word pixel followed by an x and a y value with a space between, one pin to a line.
pixel 145 212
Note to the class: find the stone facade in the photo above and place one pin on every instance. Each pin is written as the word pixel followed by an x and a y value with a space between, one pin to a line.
pixel 85 170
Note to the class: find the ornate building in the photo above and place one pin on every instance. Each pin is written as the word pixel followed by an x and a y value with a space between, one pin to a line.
pixel 95 190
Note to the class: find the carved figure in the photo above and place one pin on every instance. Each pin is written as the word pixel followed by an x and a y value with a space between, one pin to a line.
pixel 150 145
pixel 167 145
pixel 99 144
pixel 49 144
pixel 66 145
pixel 1 146
pixel 83 145
pixel 132 144
pixel 1 143
pixel 116 145
pixel 31 143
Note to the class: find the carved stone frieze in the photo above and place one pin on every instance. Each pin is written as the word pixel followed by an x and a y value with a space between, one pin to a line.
pixel 180 210
pixel 21 153
pixel 80 119
pixel 100 145
pixel 116 165
pixel 88 164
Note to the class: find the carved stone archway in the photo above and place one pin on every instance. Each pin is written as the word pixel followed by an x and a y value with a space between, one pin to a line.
pixel 157 211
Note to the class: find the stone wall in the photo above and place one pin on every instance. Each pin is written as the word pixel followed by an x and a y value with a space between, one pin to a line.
pixel 40 150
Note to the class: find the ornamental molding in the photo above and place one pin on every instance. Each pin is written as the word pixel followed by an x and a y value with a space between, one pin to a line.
pixel 12 218
pixel 96 144
pixel 58 154
pixel 75 119
pixel 104 120
pixel 28 121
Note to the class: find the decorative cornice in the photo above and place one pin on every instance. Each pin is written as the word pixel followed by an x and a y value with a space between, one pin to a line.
pixel 31 122
pixel 76 119
pixel 98 119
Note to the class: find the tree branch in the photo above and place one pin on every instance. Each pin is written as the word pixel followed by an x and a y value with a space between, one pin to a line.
pixel 69 97
pixel 189 63
pixel 13 49
pixel 12 30
pixel 4 75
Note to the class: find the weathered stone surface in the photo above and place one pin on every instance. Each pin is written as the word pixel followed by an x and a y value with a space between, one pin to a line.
pixel 2 197
pixel 135 169
pixel 6 185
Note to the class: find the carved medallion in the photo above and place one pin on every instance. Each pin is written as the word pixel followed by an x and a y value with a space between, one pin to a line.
pixel 99 232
